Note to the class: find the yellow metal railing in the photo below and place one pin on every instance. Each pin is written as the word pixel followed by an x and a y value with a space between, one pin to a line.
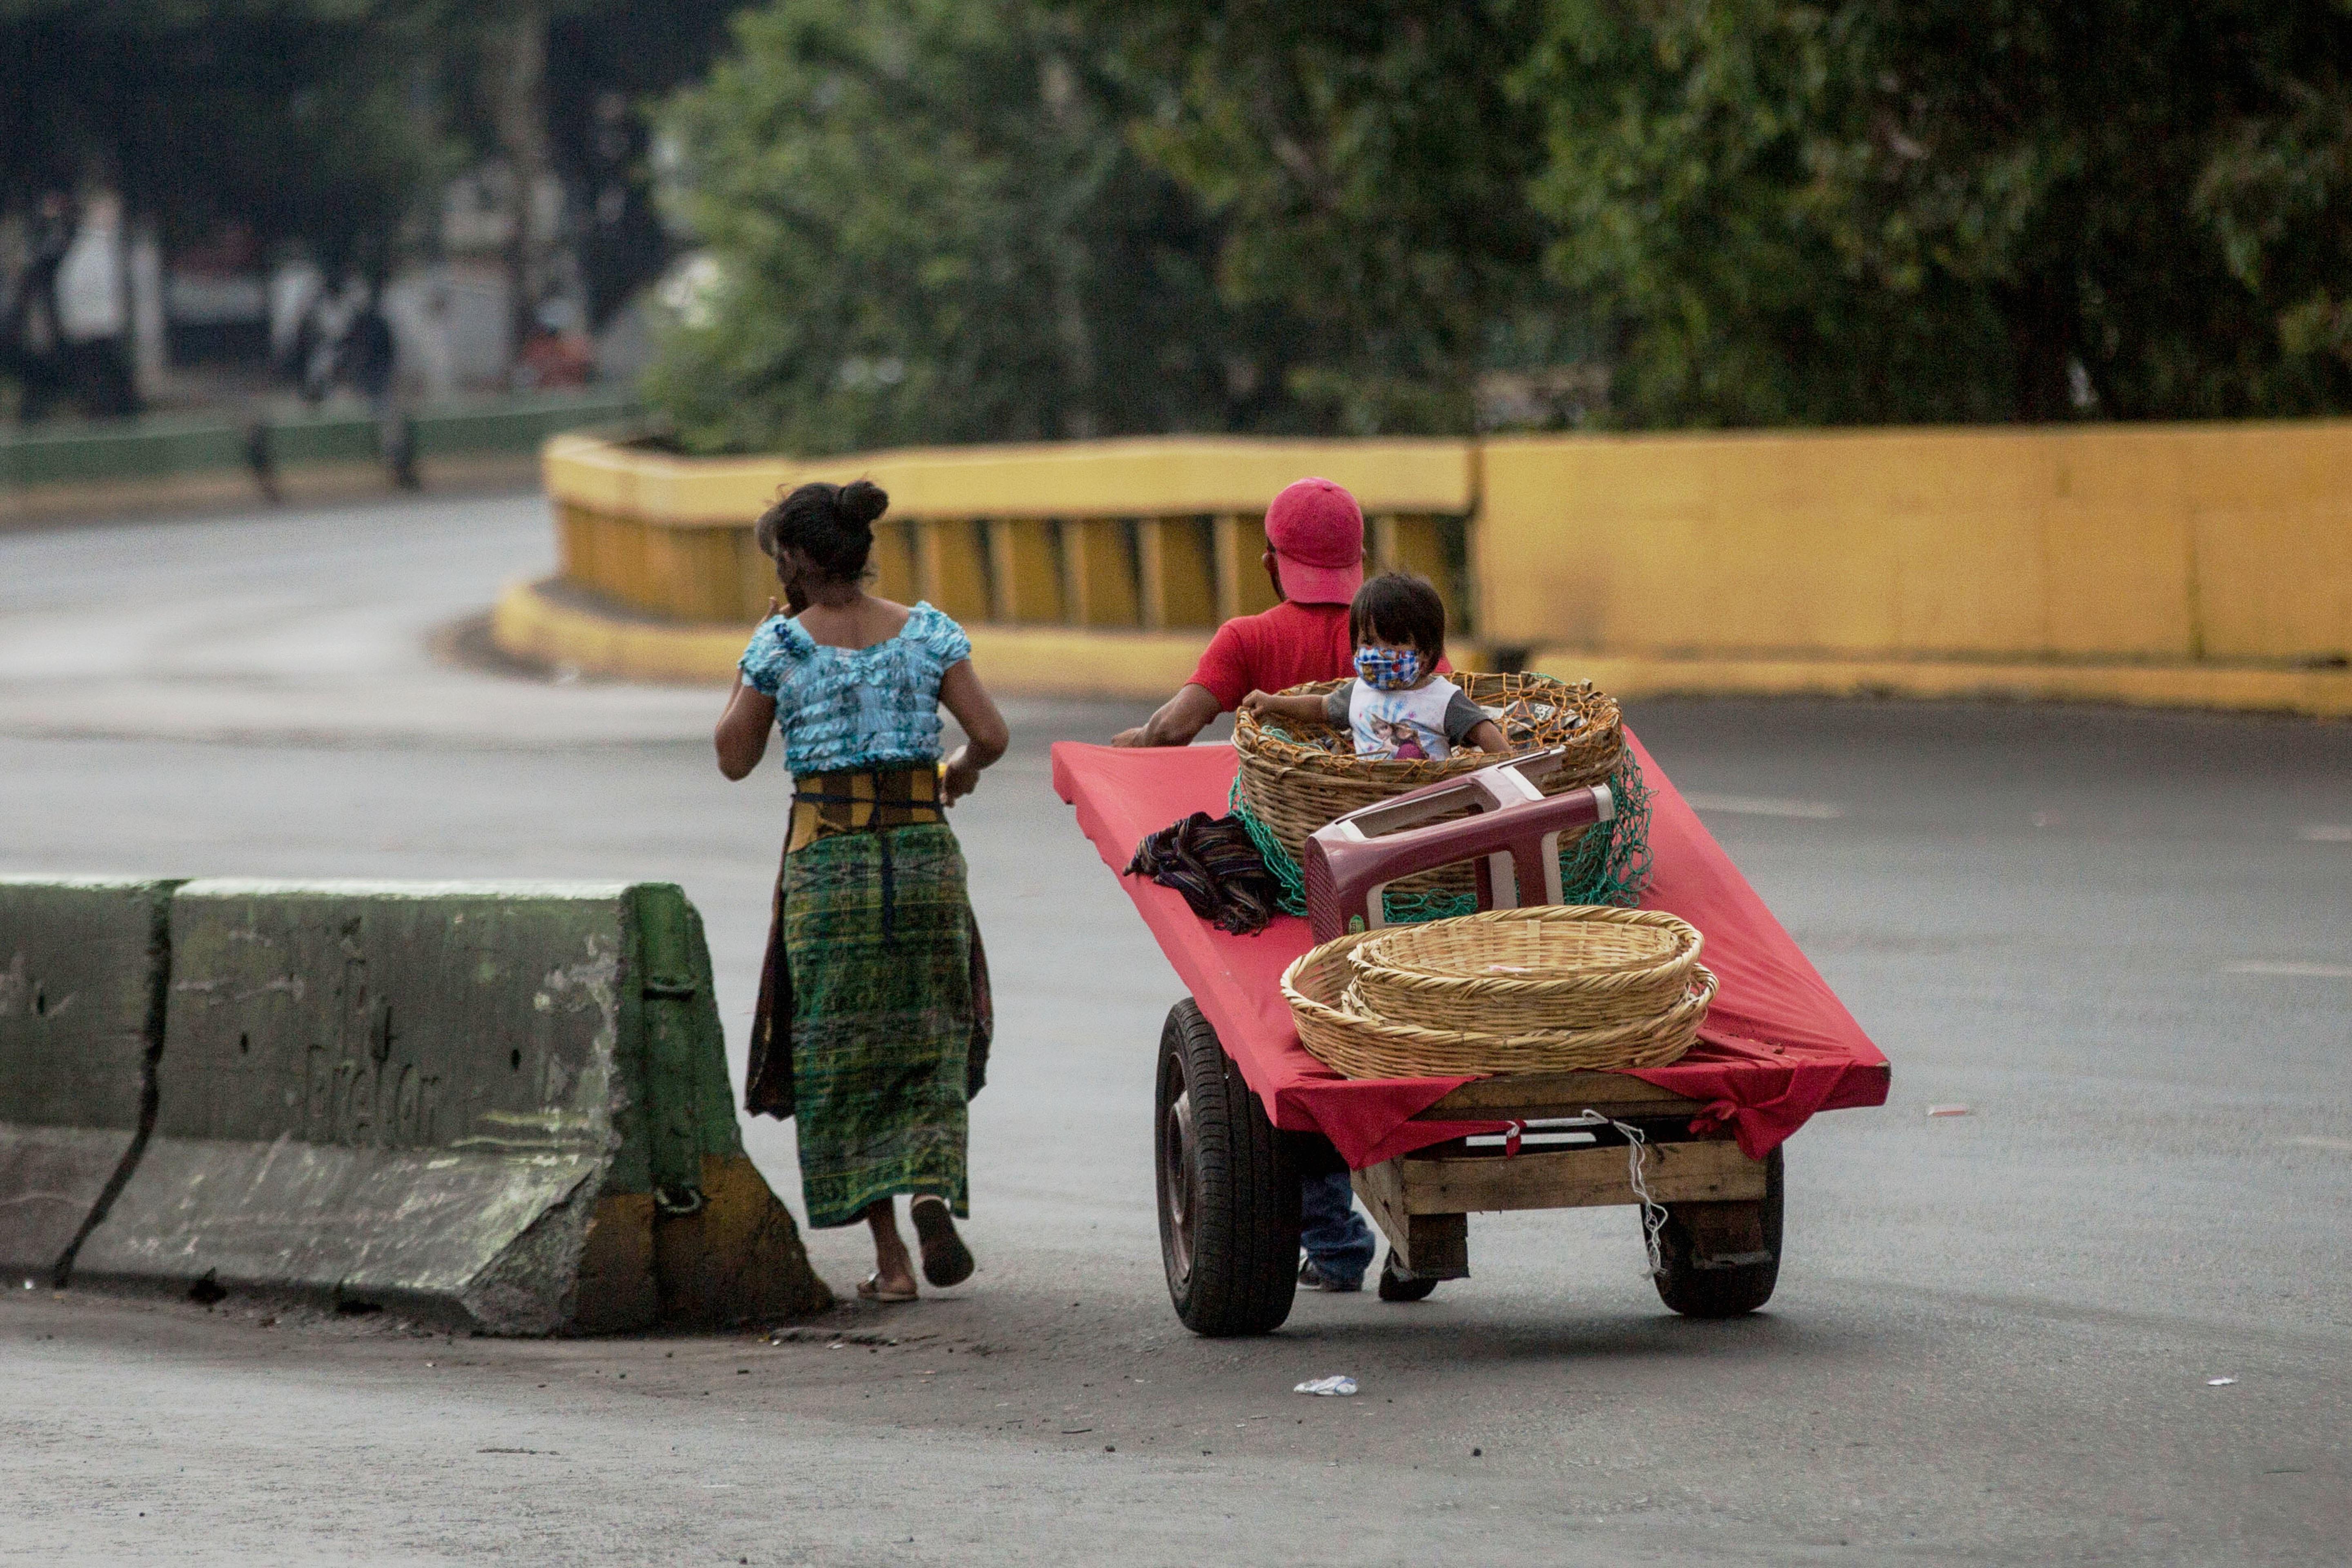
pixel 1150 535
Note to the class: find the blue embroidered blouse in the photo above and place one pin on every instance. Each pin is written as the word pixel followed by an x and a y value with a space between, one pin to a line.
pixel 856 708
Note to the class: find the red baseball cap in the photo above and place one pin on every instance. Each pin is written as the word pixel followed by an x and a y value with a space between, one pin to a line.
pixel 1316 530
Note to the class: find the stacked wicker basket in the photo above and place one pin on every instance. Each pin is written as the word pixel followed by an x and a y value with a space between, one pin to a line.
pixel 1549 989
pixel 1299 777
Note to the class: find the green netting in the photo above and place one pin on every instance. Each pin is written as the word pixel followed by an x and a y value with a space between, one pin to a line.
pixel 1602 867
pixel 1277 860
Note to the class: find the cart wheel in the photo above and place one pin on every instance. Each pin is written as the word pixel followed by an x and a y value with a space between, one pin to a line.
pixel 1722 1259
pixel 1228 1189
pixel 1396 1285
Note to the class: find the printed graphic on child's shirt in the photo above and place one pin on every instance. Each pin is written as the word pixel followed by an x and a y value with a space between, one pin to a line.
pixel 1395 738
pixel 1401 726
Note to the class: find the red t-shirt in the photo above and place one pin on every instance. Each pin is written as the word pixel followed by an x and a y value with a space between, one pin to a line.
pixel 1275 648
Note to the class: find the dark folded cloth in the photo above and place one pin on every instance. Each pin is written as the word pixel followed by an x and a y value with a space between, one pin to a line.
pixel 1212 863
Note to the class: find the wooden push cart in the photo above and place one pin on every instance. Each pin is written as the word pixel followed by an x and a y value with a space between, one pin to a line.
pixel 1242 1111
pixel 1229 1188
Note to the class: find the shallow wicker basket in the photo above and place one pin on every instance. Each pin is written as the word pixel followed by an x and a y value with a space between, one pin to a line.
pixel 1300 777
pixel 1358 1045
pixel 1574 966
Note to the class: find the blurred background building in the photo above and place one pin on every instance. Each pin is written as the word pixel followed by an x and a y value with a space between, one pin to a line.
pixel 201 203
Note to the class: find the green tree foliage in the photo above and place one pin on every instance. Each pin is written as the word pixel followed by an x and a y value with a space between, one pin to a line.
pixel 2277 189
pixel 925 227
pixel 1371 172
pixel 1904 210
pixel 1743 212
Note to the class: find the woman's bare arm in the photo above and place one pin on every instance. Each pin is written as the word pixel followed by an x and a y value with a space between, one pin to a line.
pixel 743 729
pixel 985 736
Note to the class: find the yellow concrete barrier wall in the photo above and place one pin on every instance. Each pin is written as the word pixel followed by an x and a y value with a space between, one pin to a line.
pixel 2150 544
pixel 2194 565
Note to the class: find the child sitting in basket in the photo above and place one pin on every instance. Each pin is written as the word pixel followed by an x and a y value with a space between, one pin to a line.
pixel 1398 708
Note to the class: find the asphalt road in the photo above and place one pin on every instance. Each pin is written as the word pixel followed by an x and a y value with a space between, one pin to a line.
pixel 2123 941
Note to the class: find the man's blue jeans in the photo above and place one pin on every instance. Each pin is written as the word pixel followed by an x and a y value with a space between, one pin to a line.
pixel 1333 1233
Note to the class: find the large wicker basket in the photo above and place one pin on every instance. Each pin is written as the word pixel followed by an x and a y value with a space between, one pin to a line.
pixel 1358 1045
pixel 1297 778
pixel 1577 966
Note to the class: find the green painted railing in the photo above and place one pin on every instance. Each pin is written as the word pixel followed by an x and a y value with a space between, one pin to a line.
pixel 166 446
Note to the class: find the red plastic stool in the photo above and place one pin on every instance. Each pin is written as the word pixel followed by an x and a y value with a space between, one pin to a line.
pixel 1514 837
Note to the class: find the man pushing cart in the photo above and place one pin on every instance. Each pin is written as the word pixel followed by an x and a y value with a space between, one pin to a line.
pixel 1246 1112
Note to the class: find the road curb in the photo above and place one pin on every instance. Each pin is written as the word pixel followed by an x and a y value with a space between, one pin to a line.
pixel 2311 693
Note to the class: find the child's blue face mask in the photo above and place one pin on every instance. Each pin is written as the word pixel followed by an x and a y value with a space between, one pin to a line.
pixel 1388 668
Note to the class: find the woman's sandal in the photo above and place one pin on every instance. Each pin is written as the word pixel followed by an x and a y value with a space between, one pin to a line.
pixel 946 1259
pixel 870 1289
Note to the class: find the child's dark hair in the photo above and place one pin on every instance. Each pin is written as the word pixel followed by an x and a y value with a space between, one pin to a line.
pixel 833 525
pixel 1399 607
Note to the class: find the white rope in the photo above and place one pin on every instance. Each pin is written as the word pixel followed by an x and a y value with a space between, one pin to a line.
pixel 1654 1213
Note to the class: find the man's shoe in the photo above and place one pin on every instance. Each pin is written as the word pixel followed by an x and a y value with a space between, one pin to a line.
pixel 1314 1278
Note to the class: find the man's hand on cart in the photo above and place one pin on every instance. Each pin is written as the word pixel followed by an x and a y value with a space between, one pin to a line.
pixel 1180 719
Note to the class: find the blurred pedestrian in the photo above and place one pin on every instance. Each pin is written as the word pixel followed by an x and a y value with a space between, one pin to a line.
pixel 368 357
pixel 261 460
pixel 310 361
pixel 874 1016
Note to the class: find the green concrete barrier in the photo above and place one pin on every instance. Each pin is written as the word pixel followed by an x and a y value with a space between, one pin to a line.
pixel 103 467
pixel 501 1107
pixel 82 970
pixel 131 449
pixel 517 424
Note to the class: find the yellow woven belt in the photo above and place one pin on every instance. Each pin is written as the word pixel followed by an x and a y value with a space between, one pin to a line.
pixel 864 800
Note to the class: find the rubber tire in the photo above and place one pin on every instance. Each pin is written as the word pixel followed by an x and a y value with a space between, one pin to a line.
pixel 1697 1292
pixel 1244 1268
pixel 1396 1287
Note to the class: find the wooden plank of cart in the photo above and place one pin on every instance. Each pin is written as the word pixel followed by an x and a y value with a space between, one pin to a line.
pixel 1242 1110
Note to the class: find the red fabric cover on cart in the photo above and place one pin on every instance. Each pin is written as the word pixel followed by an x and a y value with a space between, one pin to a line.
pixel 1778 1045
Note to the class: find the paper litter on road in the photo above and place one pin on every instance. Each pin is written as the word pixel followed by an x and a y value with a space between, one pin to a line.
pixel 1949 1110
pixel 2220 1382
pixel 1326 1386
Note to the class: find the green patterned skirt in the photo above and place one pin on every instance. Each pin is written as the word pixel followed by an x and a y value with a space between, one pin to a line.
pixel 877 930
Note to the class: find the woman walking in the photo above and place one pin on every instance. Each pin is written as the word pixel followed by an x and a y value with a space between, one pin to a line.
pixel 874 1007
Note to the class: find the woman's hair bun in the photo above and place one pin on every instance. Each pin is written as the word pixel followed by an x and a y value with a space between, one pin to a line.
pixel 862 502
pixel 832 525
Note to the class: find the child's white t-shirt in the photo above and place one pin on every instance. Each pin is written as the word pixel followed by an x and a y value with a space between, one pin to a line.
pixel 1425 723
